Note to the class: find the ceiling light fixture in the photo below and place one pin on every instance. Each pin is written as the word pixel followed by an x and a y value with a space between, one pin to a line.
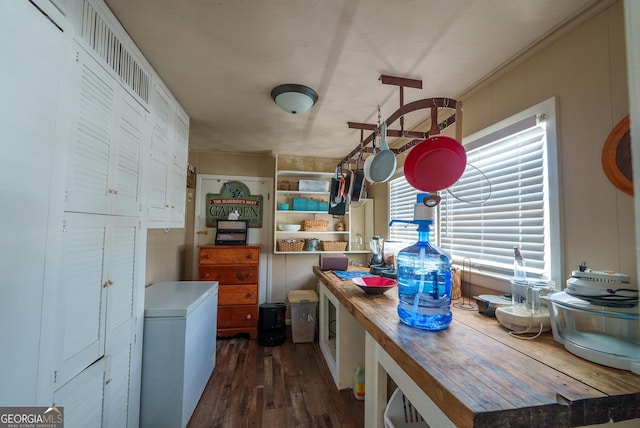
pixel 294 98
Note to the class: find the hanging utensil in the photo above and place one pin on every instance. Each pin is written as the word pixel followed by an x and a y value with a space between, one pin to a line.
pixel 337 204
pixel 384 164
pixel 367 162
pixel 437 162
pixel 358 182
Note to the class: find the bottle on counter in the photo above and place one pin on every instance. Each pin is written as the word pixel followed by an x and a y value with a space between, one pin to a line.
pixel 519 284
pixel 519 269
pixel 358 383
pixel 424 279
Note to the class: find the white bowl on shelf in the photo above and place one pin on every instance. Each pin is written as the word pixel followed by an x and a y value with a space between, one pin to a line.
pixel 289 227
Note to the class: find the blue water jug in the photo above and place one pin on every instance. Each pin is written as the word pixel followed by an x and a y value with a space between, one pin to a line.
pixel 424 281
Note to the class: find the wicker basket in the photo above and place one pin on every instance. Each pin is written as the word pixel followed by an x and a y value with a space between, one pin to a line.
pixel 315 225
pixel 333 245
pixel 290 245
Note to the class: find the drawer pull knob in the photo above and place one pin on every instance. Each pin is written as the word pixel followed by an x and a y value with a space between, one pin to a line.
pixel 248 295
pixel 248 316
pixel 205 275
pixel 207 256
pixel 250 256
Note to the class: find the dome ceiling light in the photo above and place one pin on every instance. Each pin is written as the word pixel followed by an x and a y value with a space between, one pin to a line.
pixel 294 98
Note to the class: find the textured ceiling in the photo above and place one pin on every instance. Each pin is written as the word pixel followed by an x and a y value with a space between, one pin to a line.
pixel 221 58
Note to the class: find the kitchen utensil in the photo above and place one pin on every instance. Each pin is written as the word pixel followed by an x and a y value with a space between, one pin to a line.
pixel 384 163
pixel 605 335
pixel 604 288
pixel 367 162
pixel 374 284
pixel 367 168
pixel 488 303
pixel 337 203
pixel 289 227
pixel 311 244
pixel 435 163
pixel 357 187
pixel 377 247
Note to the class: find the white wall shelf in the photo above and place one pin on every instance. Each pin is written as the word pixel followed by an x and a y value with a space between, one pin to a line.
pixel 356 219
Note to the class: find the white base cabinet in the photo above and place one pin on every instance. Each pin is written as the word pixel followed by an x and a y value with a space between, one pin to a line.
pixel 341 339
pixel 179 350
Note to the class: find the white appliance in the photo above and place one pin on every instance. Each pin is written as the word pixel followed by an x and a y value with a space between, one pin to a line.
pixel 528 313
pixel 179 350
pixel 596 318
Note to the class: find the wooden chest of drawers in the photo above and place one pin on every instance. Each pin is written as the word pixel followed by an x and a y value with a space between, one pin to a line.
pixel 236 268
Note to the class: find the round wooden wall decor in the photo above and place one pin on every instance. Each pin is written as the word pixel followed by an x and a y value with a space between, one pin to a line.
pixel 616 157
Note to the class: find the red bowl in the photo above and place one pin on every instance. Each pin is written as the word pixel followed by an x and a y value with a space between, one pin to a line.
pixel 374 284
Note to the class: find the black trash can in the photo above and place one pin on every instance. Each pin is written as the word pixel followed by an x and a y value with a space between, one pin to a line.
pixel 271 324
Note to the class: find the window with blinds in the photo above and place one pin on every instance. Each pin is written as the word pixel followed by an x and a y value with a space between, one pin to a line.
pixel 508 196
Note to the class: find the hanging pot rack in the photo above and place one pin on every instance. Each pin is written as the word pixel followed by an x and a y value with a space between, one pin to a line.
pixel 399 114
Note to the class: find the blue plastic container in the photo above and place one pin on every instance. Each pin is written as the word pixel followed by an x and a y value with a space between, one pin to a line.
pixel 299 204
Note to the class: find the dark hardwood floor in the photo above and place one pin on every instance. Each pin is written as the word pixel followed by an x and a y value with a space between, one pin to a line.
pixel 281 386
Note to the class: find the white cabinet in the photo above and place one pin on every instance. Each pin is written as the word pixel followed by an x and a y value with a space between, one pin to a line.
pixel 96 295
pixel 105 153
pixel 167 166
pixel 179 351
pixel 341 339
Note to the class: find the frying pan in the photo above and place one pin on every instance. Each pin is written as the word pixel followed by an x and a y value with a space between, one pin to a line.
pixel 357 185
pixel 383 164
pixel 367 162
pixel 435 163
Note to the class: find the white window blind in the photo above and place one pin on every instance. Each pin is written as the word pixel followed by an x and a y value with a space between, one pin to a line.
pixel 507 196
pixel 514 211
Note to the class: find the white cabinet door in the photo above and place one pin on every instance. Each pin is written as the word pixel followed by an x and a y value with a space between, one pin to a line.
pixel 106 144
pixel 117 377
pixel 92 138
pixel 179 173
pixel 34 53
pixel 162 141
pixel 166 186
pixel 126 182
pixel 81 320
pixel 82 397
pixel 120 262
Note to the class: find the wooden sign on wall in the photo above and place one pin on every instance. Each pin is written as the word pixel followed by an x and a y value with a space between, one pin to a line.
pixel 234 196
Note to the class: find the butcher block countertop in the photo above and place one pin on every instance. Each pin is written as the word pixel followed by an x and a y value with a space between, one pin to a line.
pixel 480 376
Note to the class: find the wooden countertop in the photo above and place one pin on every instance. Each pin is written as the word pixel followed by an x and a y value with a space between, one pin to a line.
pixel 480 376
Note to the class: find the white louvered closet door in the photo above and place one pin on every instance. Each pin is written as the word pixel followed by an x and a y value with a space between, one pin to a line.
pixel 91 147
pixel 179 174
pixel 82 397
pixel 106 144
pixel 120 263
pixel 81 320
pixel 120 266
pixel 161 157
pixel 126 180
